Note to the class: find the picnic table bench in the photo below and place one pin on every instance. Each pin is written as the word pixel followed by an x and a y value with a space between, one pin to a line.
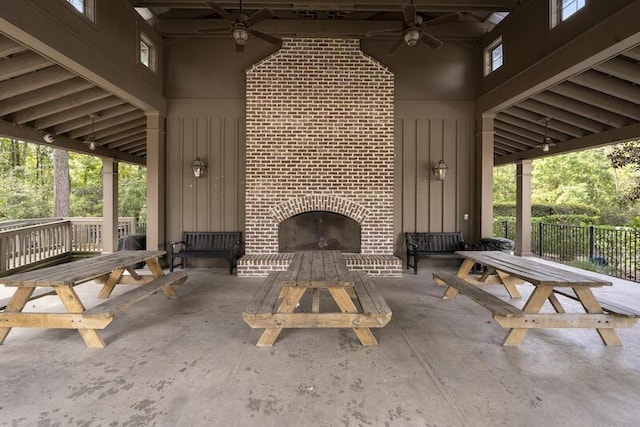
pixel 360 306
pixel 548 281
pixel 108 270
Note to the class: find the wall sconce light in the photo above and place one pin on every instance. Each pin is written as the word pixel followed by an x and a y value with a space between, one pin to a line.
pixel 199 167
pixel 440 170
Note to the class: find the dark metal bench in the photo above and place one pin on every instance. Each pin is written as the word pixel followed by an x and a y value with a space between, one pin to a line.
pixel 433 245
pixel 207 244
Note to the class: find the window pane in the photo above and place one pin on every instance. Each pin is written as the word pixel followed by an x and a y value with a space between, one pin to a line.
pixel 145 53
pixel 78 4
pixel 496 57
pixel 569 7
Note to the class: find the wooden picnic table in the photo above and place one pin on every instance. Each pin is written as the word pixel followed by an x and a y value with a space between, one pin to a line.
pixel 106 269
pixel 549 281
pixel 274 305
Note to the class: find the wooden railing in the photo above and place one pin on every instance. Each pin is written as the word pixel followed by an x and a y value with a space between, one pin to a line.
pixel 55 238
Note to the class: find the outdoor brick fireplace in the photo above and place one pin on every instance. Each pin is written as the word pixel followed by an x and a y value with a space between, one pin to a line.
pixel 319 119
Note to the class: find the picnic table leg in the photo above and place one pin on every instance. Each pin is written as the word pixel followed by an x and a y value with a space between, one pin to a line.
pixel 73 305
pixel 591 305
pixel 111 283
pixel 533 305
pixel 156 270
pixel 463 271
pixel 16 305
pixel 292 296
pixel 346 305
pixel 509 283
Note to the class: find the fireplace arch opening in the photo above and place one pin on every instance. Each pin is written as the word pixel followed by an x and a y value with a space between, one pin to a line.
pixel 319 230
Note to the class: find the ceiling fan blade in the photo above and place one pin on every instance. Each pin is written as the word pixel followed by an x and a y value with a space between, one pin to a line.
pixel 433 42
pixel 259 16
pixel 266 37
pixel 452 17
pixel 388 30
pixel 220 11
pixel 395 47
pixel 409 15
pixel 213 30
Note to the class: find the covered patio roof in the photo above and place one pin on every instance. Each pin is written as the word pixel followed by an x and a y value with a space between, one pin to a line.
pixel 591 107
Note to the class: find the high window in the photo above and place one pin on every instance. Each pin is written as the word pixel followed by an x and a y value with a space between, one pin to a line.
pixel 147 55
pixel 84 7
pixel 493 58
pixel 561 10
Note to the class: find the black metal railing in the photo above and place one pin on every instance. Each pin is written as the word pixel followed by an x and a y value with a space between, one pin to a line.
pixel 609 250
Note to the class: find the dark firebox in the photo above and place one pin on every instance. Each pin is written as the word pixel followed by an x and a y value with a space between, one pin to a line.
pixel 319 230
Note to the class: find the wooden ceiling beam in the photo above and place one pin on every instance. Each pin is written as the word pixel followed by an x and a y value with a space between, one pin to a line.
pixel 633 53
pixel 621 68
pixel 499 150
pixel 107 124
pixel 76 112
pixel 125 141
pixel 583 109
pixel 85 121
pixel 562 115
pixel 129 124
pixel 609 85
pixel 590 96
pixel 43 95
pixel 553 124
pixel 59 105
pixel 134 142
pixel 302 27
pixel 507 132
pixel 121 135
pixel 22 64
pixel 9 47
pixel 33 81
pixel 537 127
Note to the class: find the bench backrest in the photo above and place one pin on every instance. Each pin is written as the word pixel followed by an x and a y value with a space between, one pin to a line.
pixel 436 242
pixel 211 240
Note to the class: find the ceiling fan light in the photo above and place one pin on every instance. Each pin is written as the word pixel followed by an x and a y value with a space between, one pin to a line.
pixel 545 147
pixel 92 145
pixel 411 37
pixel 240 35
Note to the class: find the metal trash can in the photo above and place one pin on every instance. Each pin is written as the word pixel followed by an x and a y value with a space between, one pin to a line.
pixel 133 242
pixel 497 244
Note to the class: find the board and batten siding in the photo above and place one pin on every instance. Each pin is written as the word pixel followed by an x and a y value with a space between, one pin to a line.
pixel 214 131
pixel 426 132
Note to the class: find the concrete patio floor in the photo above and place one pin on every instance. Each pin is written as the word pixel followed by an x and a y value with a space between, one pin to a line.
pixel 194 362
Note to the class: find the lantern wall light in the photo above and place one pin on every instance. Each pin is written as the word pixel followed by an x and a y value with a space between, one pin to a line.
pixel 199 167
pixel 440 170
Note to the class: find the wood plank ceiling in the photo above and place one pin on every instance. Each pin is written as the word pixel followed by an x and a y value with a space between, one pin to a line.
pixel 601 99
pixel 38 94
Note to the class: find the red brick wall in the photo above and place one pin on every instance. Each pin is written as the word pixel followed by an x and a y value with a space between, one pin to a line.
pixel 319 129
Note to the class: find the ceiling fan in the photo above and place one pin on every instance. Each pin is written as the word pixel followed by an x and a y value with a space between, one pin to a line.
pixel 241 24
pixel 546 141
pixel 413 27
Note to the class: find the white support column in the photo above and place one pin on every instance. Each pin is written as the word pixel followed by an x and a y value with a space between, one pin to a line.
pixel 155 181
pixel 109 205
pixel 485 184
pixel 523 208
